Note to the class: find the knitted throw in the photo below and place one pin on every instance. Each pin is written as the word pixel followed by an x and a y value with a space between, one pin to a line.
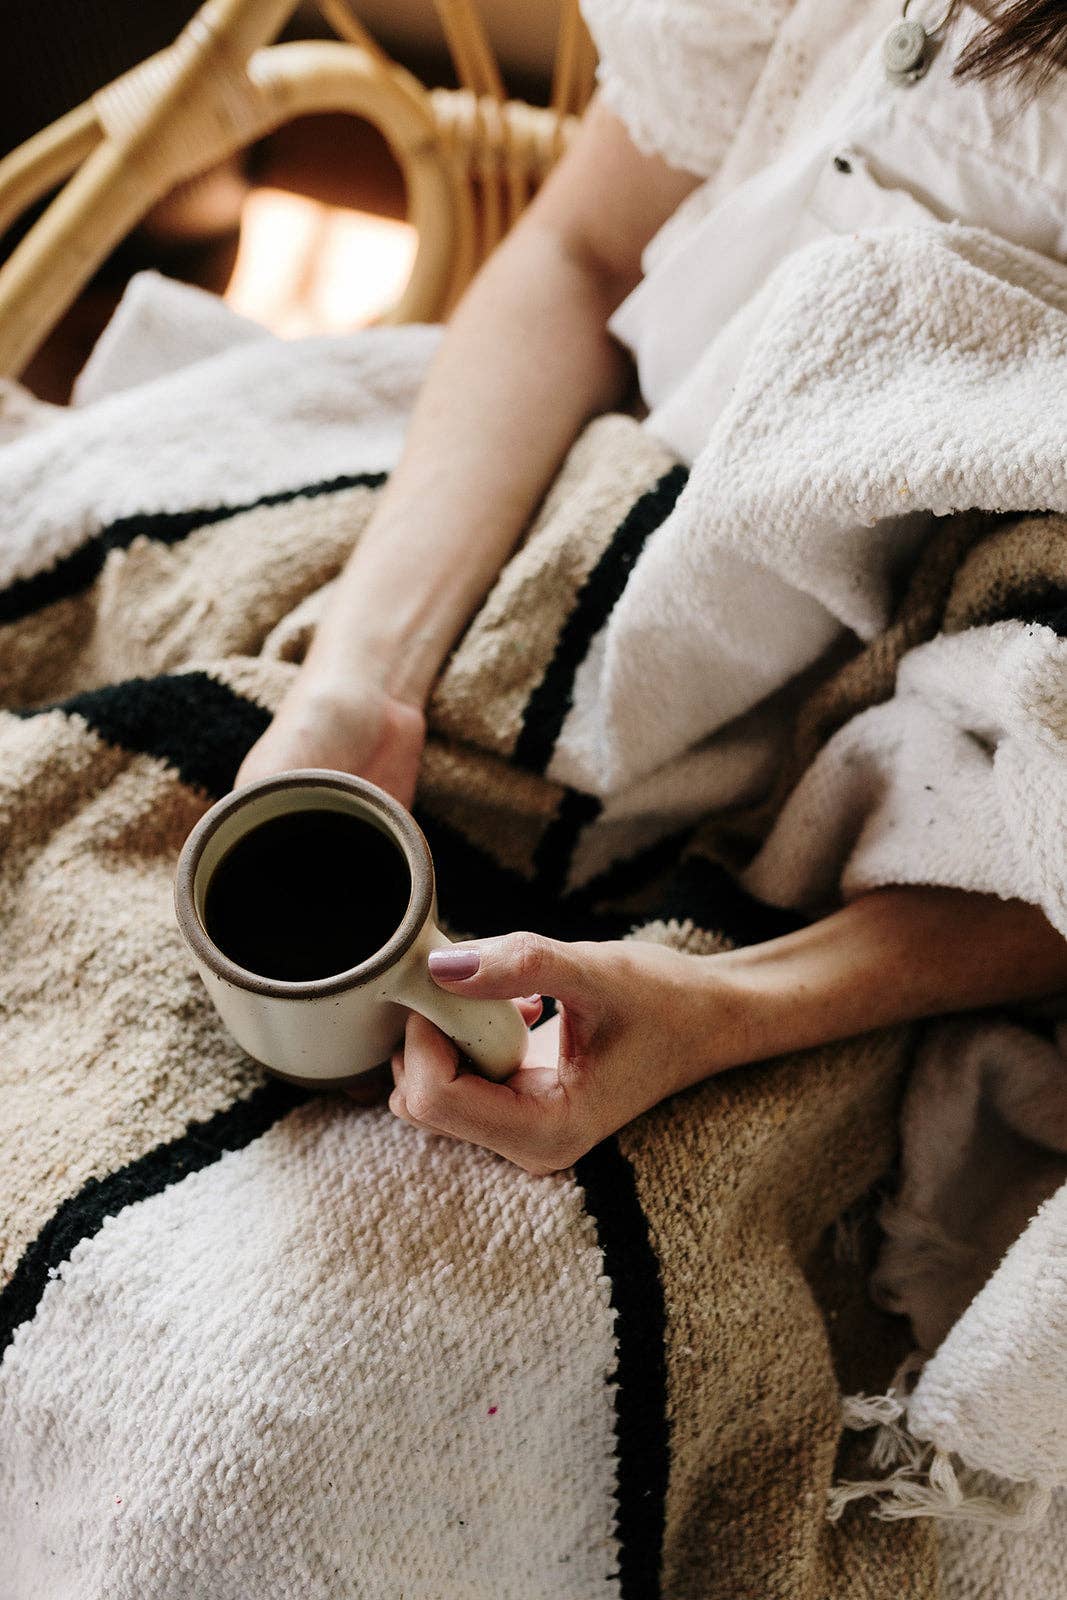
pixel 256 1344
pixel 262 1344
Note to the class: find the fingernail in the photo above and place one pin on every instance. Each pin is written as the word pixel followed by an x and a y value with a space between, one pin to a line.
pixel 453 963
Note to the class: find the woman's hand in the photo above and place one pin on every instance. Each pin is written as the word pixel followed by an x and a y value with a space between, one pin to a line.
pixel 638 1021
pixel 356 728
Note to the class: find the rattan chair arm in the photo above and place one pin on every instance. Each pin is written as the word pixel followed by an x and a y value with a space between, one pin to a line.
pixel 133 167
pixel 45 161
pixel 301 79
pixel 470 158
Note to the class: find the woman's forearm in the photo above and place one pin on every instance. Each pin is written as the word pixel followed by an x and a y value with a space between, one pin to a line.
pixel 896 955
pixel 640 1021
pixel 525 361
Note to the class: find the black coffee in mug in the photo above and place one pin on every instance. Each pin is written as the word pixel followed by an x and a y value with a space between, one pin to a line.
pixel 307 895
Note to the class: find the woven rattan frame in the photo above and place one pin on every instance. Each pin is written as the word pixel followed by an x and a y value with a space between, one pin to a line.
pixel 470 157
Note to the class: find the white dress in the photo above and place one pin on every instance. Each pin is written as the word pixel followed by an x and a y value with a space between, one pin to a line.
pixel 791 118
pixel 788 114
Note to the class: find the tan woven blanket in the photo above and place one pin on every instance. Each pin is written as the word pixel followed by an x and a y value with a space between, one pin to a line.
pixel 261 1345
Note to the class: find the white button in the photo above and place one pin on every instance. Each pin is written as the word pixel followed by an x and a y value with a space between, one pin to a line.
pixel 905 52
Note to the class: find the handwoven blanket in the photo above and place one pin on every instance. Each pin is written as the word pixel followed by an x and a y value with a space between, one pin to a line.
pixel 257 1344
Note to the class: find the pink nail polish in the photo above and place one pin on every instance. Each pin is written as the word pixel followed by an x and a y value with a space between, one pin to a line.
pixel 451 964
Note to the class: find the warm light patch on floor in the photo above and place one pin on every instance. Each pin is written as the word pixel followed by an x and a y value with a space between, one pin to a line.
pixel 304 267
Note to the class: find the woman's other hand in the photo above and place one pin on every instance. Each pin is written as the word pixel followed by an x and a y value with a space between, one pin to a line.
pixel 357 728
pixel 640 1021
pixel 637 1022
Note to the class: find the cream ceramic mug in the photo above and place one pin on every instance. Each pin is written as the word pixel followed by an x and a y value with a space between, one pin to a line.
pixel 325 1031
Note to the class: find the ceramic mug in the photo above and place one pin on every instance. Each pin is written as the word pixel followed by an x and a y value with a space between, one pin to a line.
pixel 327 1031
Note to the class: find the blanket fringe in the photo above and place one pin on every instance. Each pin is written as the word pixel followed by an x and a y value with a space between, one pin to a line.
pixel 924 1481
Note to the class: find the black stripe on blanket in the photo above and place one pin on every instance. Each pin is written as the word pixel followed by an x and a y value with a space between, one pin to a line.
pixel 642 1431
pixel 75 572
pixel 478 897
pixel 203 730
pixel 190 720
pixel 1047 607
pixel 552 861
pixel 705 891
pixel 1054 619
pixel 84 1214
pixel 550 702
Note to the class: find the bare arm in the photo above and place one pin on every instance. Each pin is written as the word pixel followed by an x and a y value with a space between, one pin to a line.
pixel 641 1022
pixel 895 955
pixel 525 361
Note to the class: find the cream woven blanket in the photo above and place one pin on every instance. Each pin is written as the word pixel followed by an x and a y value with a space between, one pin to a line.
pixel 261 1345
pixel 256 1345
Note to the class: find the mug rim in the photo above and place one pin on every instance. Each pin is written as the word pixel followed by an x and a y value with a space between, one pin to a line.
pixel 403 829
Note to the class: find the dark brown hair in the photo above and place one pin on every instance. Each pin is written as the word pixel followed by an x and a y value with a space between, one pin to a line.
pixel 1025 39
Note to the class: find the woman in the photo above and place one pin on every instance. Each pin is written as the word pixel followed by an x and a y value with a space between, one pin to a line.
pixel 528 358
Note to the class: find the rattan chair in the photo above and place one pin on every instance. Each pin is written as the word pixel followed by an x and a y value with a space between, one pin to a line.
pixel 471 158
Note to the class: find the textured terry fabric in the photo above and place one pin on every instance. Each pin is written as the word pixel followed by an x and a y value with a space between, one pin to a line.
pixel 1023 1561
pixel 102 788
pixel 340 1361
pixel 994 1390
pixel 257 1343
pixel 896 374
pixel 899 376
pixel 974 1245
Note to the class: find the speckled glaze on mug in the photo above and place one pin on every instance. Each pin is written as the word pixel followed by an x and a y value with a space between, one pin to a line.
pixel 325 1032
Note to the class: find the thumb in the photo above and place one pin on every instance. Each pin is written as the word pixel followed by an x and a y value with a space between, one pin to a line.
pixel 513 966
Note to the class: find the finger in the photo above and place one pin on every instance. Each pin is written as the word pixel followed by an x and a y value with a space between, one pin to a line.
pixel 396 772
pixel 526 1128
pixel 398 1106
pixel 530 1008
pixel 431 1062
pixel 399 1109
pixel 517 964
pixel 397 1101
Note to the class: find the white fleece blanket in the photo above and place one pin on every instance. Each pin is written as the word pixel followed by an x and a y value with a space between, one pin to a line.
pixel 897 376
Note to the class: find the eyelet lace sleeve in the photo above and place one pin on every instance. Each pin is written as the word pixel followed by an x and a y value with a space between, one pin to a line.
pixel 679 73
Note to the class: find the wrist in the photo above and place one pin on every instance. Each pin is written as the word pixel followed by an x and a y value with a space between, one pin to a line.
pixel 705 1014
pixel 351 702
pixel 409 589
pixel 763 996
pixel 344 671
pixel 742 1012
pixel 388 648
pixel 758 1002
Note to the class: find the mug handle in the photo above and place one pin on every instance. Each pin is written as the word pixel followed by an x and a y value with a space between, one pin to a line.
pixel 491 1032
